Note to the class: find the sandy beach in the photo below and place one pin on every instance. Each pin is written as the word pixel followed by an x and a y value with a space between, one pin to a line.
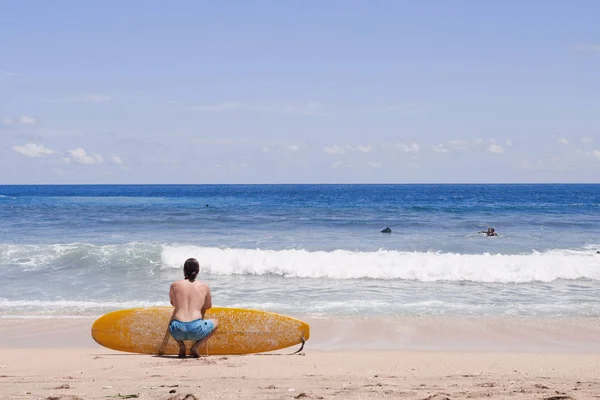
pixel 59 360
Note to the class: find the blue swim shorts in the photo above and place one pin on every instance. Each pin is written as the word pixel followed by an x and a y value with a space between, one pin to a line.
pixel 193 330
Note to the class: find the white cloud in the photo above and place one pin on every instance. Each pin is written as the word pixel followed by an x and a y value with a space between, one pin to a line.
pixel 26 120
pixel 22 120
pixel 593 153
pixel 440 149
pixel 587 48
pixel 458 144
pixel 79 156
pixel 467 145
pixel 237 167
pixel 344 149
pixel 95 98
pixel 280 148
pixel 374 164
pixel 453 145
pixel 33 150
pixel 587 140
pixel 563 141
pixel 495 148
pixel 117 160
pixel 230 167
pixel 408 148
pixel 334 150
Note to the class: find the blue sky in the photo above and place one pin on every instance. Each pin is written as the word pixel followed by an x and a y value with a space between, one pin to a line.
pixel 299 91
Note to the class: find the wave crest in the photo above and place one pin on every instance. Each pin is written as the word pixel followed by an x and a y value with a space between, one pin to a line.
pixel 385 264
pixel 339 264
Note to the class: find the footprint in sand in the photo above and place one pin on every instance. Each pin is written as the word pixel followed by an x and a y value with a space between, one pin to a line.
pixel 188 396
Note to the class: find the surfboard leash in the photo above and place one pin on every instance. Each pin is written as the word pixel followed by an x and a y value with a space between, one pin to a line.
pixel 301 346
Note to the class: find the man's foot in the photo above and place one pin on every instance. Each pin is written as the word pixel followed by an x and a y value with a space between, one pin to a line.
pixel 181 349
pixel 194 350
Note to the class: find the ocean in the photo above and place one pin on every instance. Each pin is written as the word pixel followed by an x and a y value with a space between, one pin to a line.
pixel 303 250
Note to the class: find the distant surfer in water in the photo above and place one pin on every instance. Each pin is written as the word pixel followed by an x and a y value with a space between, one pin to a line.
pixel 191 299
pixel 489 232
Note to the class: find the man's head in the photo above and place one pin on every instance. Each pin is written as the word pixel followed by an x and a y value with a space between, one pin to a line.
pixel 191 267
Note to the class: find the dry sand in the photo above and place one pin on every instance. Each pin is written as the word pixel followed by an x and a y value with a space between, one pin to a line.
pixel 429 358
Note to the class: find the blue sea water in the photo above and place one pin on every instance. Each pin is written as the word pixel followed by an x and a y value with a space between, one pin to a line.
pixel 303 249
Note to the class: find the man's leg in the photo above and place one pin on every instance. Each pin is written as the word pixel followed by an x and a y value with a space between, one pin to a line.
pixel 194 349
pixel 181 349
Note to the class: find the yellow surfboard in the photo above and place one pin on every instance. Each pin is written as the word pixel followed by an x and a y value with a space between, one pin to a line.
pixel 240 331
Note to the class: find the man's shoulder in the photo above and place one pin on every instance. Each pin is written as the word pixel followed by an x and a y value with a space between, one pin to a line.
pixel 201 284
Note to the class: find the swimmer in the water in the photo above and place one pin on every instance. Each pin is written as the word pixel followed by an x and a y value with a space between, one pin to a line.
pixel 489 232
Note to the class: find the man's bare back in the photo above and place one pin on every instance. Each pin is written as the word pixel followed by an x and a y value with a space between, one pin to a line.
pixel 191 299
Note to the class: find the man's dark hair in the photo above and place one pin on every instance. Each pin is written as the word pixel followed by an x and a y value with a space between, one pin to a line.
pixel 191 269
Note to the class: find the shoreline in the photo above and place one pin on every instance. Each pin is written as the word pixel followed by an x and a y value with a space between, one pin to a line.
pixel 401 333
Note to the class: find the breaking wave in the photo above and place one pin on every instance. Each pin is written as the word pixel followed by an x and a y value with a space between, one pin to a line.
pixel 385 264
pixel 339 264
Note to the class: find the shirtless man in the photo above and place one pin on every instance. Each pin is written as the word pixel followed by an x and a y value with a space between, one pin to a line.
pixel 191 299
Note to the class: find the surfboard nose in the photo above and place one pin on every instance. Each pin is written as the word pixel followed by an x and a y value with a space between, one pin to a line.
pixel 305 329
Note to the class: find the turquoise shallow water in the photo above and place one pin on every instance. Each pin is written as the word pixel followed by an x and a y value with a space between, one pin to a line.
pixel 84 250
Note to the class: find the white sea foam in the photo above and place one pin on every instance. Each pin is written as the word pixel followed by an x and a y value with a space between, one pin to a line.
pixel 384 264
pixel 67 308
pixel 40 256
pixel 567 264
pixel 5 303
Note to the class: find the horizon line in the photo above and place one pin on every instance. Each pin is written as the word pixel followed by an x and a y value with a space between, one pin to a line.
pixel 302 183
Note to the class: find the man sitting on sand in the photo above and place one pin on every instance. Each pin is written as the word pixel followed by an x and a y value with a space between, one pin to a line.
pixel 191 299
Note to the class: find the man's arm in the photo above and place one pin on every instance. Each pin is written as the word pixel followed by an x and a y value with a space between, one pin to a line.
pixel 207 302
pixel 171 295
pixel 208 299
